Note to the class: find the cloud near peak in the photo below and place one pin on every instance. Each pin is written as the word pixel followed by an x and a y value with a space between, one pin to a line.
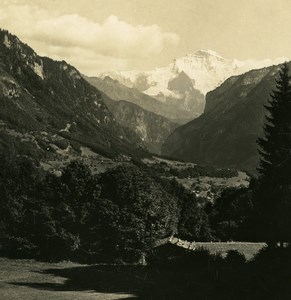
pixel 89 45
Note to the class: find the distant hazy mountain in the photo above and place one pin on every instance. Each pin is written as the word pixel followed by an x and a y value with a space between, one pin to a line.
pixel 153 129
pixel 225 135
pixel 46 104
pixel 206 70
pixel 175 110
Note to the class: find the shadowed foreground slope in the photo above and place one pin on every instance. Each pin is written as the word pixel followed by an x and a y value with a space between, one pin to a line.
pixel 195 275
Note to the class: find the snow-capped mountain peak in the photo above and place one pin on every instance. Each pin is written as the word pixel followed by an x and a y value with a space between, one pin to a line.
pixel 206 69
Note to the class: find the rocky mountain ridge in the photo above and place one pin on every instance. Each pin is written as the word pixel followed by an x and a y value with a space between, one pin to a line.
pixel 46 106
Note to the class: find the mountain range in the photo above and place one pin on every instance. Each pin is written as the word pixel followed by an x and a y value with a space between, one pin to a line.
pixel 193 75
pixel 144 115
pixel 175 110
pixel 225 135
pixel 49 110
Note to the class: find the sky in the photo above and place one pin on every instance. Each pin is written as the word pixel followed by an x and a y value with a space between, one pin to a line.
pixel 111 35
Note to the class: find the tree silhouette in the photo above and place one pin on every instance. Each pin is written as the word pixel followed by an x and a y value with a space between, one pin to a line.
pixel 275 151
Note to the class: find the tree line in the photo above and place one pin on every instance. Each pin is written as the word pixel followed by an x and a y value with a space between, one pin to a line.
pixel 115 216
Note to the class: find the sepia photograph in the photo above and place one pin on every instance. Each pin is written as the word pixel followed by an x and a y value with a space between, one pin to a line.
pixel 145 149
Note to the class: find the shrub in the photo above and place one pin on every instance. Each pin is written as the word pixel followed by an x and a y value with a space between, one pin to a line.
pixel 233 257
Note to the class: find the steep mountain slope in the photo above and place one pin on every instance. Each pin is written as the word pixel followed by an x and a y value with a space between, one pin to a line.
pixel 118 91
pixel 205 69
pixel 46 105
pixel 153 129
pixel 225 135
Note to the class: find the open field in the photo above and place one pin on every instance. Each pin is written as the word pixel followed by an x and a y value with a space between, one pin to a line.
pixel 172 163
pixel 242 179
pixel 211 187
pixel 207 187
pixel 249 250
pixel 32 280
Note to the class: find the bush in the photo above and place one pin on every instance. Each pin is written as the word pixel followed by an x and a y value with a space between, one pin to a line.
pixel 233 257
pixel 62 144
pixel 18 247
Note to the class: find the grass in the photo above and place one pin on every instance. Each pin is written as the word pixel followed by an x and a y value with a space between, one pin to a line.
pixel 249 250
pixel 33 280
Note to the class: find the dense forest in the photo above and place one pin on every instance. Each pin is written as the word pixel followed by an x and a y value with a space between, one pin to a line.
pixel 117 215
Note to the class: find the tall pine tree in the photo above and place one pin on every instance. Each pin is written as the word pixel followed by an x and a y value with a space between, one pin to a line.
pixel 273 197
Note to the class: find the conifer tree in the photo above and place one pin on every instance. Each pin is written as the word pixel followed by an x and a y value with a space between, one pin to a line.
pixel 273 196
